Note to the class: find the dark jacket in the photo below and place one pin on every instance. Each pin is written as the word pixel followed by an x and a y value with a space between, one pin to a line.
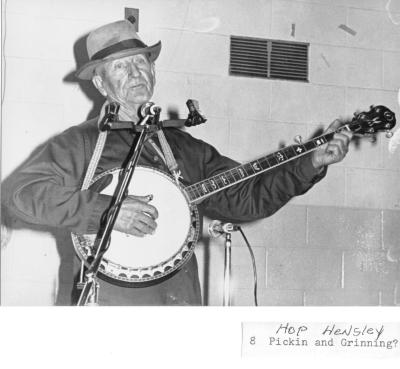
pixel 46 190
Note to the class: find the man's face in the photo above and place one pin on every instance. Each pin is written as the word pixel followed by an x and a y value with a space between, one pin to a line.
pixel 130 80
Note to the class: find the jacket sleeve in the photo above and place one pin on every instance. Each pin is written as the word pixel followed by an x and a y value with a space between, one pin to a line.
pixel 46 189
pixel 260 196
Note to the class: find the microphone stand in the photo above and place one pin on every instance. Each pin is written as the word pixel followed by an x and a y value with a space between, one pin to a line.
pixel 227 269
pixel 89 293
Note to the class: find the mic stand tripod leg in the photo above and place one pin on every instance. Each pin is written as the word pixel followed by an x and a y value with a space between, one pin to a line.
pixel 227 270
pixel 90 292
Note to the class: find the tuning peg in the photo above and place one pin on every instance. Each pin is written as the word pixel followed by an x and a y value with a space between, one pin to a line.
pixel 389 134
pixel 298 139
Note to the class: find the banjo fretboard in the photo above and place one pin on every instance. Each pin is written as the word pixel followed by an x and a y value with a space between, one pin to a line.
pixel 208 187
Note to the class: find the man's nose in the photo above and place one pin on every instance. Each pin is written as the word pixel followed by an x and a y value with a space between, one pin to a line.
pixel 133 70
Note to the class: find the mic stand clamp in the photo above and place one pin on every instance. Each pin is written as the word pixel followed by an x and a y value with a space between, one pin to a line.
pixel 90 290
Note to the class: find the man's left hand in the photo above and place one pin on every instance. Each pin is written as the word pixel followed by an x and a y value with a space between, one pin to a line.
pixel 335 150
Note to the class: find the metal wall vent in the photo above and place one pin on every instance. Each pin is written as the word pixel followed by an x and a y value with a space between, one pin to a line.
pixel 255 57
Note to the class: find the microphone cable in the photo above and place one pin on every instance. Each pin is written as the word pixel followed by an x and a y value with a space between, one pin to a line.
pixel 253 260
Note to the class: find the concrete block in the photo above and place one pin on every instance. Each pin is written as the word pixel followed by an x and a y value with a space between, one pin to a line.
pixel 387 298
pixel 72 9
pixel 379 193
pixel 397 295
pixel 41 90
pixel 339 297
pixel 327 64
pixel 300 269
pixel 215 131
pixel 170 14
pixel 296 102
pixel 391 63
pixel 211 91
pixel 251 18
pixel 242 297
pixel 254 139
pixel 284 229
pixel 287 297
pixel 360 4
pixel 390 156
pixel 391 234
pixel 330 191
pixel 361 63
pixel 78 105
pixel 369 269
pixel 365 153
pixel 391 37
pixel 39 122
pixel 242 267
pixel 344 228
pixel 233 97
pixel 243 276
pixel 171 93
pixel 24 283
pixel 346 66
pixel 375 29
pixel 248 98
pixel 41 45
pixel 267 297
pixel 315 23
pixel 195 53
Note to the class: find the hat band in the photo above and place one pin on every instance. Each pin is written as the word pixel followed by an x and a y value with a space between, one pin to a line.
pixel 120 46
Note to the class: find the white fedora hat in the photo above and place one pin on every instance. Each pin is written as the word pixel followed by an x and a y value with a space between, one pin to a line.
pixel 114 41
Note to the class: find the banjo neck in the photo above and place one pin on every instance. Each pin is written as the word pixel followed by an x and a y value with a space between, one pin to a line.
pixel 205 188
pixel 378 118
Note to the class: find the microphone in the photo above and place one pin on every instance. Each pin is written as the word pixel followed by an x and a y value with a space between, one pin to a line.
pixel 149 108
pixel 110 115
pixel 195 116
pixel 216 228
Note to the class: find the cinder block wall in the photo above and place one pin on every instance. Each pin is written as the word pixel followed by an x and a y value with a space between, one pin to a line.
pixel 337 245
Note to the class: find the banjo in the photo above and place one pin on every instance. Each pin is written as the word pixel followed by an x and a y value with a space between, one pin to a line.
pixel 137 262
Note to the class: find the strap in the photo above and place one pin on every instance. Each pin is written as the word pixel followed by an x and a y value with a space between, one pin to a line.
pixel 168 156
pixel 98 150
pixel 94 161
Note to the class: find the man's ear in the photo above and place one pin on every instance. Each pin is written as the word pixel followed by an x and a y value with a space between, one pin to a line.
pixel 98 83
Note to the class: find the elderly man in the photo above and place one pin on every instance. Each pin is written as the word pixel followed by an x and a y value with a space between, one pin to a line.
pixel 47 190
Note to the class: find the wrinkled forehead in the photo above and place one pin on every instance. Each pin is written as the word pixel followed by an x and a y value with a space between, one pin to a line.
pixel 108 62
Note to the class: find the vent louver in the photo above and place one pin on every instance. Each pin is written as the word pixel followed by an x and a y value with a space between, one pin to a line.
pixel 255 57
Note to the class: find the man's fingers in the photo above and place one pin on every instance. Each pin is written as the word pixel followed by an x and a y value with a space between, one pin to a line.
pixel 146 198
pixel 334 125
pixel 137 216
pixel 136 203
pixel 333 149
pixel 146 223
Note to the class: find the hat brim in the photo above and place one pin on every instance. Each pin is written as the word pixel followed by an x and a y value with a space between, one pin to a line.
pixel 86 71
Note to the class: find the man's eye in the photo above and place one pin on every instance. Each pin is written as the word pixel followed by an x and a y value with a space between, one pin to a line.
pixel 140 60
pixel 118 65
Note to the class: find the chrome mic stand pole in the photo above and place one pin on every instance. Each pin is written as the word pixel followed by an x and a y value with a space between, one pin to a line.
pixel 227 269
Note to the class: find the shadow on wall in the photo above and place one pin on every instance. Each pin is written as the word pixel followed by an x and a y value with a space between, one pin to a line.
pixel 81 57
pixel 19 231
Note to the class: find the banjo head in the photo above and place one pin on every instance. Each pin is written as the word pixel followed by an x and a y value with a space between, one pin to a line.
pixel 141 261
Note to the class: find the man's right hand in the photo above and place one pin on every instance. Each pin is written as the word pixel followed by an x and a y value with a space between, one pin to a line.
pixel 136 216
